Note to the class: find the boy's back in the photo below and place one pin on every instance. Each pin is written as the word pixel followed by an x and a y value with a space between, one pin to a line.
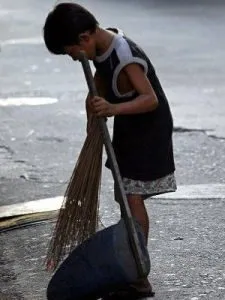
pixel 148 135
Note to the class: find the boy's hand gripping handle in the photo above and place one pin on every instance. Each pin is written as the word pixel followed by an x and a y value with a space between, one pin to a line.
pixel 132 233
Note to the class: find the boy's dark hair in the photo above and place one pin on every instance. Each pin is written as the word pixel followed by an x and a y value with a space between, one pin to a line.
pixel 64 24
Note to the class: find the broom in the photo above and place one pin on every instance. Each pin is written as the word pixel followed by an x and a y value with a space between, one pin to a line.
pixel 78 215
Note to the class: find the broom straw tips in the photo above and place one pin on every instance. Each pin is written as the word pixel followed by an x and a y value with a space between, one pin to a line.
pixel 78 215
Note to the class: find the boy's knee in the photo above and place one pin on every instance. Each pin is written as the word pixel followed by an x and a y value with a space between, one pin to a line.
pixel 135 201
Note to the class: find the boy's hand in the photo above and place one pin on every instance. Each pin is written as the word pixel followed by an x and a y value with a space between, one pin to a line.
pixel 102 108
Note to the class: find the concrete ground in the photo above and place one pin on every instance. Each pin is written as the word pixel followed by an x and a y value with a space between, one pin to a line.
pixel 186 247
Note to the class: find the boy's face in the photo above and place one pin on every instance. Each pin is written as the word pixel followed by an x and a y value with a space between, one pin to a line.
pixel 86 44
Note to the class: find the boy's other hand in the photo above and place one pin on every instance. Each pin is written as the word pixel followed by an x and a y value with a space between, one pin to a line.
pixel 102 108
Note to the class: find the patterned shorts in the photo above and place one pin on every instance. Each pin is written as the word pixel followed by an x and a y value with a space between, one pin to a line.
pixel 149 188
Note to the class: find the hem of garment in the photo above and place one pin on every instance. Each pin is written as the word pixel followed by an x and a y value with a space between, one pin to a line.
pixel 146 196
pixel 159 186
pixel 147 189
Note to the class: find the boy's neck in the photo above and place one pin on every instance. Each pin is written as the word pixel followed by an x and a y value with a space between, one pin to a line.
pixel 103 40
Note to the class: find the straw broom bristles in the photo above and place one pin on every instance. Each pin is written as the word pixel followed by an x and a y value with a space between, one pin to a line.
pixel 78 216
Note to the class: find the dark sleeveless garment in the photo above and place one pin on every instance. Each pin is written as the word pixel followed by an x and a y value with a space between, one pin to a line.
pixel 142 142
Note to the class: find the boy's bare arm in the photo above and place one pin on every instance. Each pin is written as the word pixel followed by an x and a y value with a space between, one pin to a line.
pixel 145 102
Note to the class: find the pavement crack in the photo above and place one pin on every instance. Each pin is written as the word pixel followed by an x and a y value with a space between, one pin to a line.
pixel 7 148
pixel 19 161
pixel 207 132
pixel 50 139
pixel 215 137
pixel 183 129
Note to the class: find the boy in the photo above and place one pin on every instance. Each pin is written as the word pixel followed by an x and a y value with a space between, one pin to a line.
pixel 131 92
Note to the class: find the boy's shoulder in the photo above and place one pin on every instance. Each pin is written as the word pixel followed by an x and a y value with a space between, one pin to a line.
pixel 125 47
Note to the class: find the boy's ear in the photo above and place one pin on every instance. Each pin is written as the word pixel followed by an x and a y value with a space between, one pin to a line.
pixel 84 37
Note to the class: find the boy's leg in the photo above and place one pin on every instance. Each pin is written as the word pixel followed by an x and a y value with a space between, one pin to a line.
pixel 139 212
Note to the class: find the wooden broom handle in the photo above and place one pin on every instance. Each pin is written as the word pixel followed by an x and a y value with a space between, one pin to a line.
pixel 125 209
